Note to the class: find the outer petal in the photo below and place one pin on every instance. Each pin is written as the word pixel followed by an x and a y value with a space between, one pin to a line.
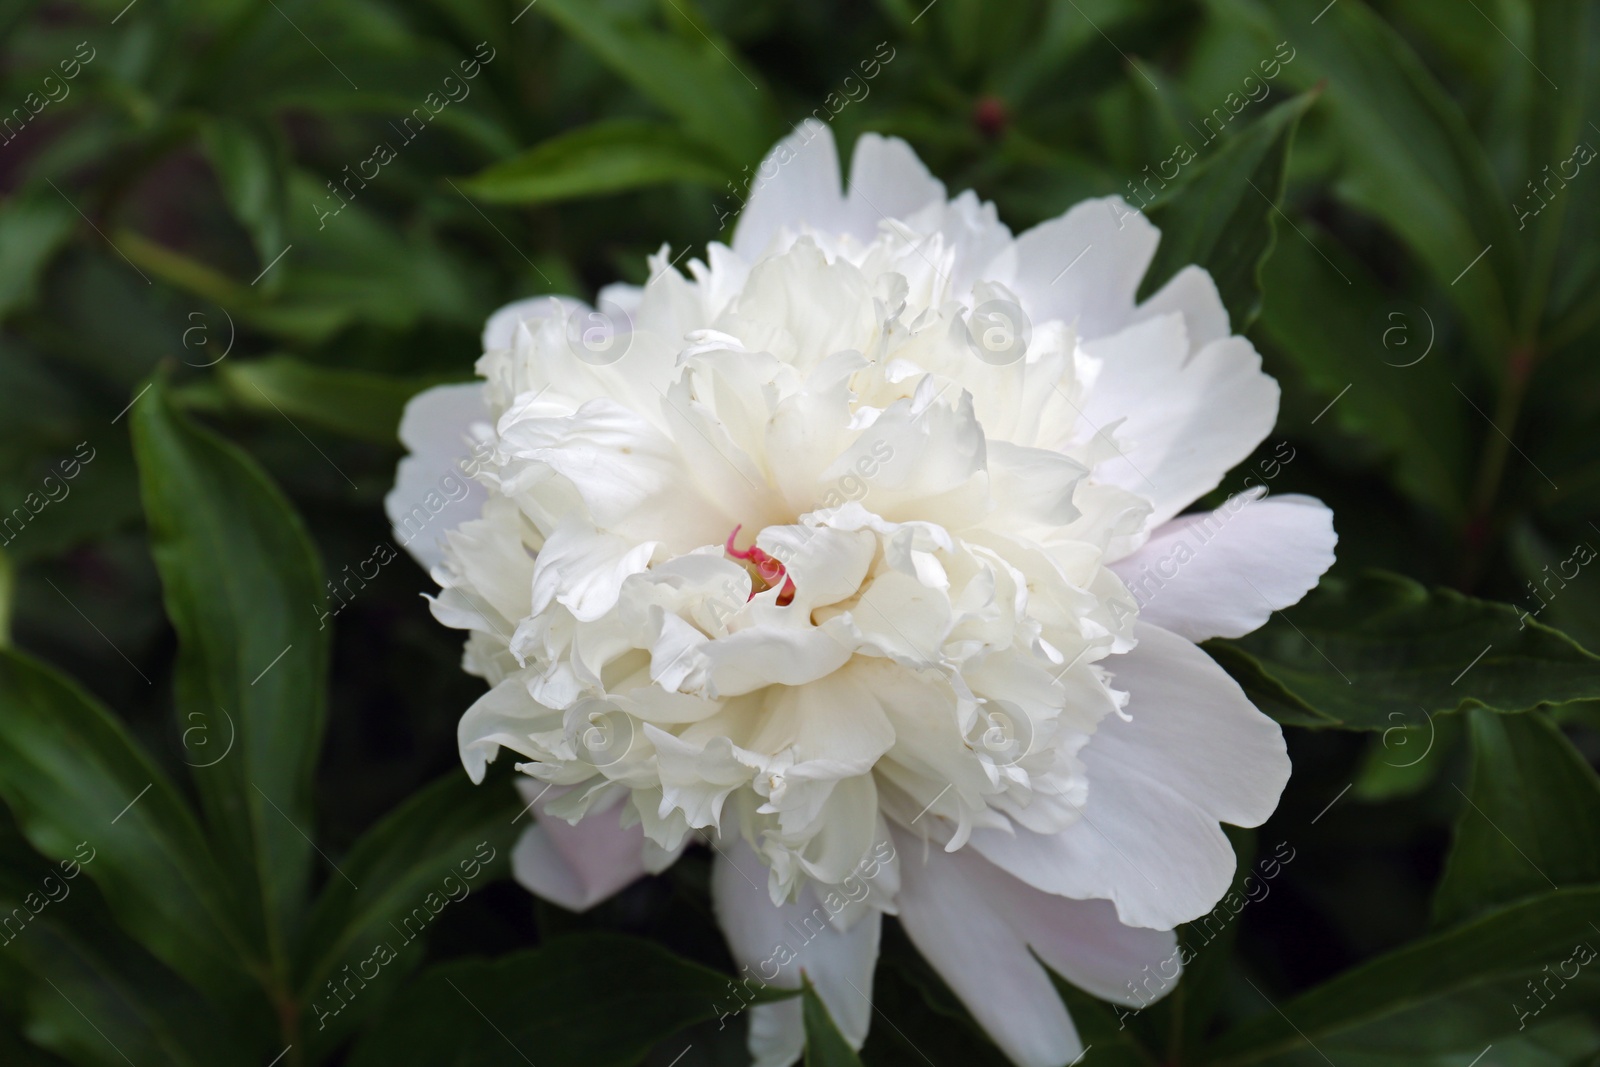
pixel 1222 573
pixel 578 866
pixel 1116 244
pixel 1188 418
pixel 774 944
pixel 1194 752
pixel 975 925
pixel 433 490
pixel 887 181
pixel 1192 293
pixel 797 183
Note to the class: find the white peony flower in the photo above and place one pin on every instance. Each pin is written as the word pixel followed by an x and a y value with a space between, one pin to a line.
pixel 854 554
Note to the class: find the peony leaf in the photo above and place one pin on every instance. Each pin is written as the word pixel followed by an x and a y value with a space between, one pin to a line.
pixel 1530 820
pixel 1383 653
pixel 355 403
pixel 1379 367
pixel 251 164
pixel 607 157
pixel 8 589
pixel 1410 159
pixel 243 587
pixel 601 1000
pixel 82 790
pixel 1468 976
pixel 709 87
pixel 825 1046
pixel 1224 216
pixel 448 841
pixel 1562 36
pixel 33 226
pixel 71 954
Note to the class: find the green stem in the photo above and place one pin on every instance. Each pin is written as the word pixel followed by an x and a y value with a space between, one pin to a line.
pixel 1480 531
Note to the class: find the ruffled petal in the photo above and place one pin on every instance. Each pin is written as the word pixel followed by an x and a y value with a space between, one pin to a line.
pixel 501 329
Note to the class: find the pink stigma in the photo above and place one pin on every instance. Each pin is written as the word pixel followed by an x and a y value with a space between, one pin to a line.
pixel 767 568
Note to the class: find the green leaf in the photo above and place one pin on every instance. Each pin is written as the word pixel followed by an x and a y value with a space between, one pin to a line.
pixel 1223 218
pixel 243 587
pixel 82 790
pixel 356 403
pixel 608 157
pixel 448 841
pixel 1495 951
pixel 72 956
pixel 1529 821
pixel 33 226
pixel 601 1000
pixel 710 88
pixel 1410 158
pixel 8 589
pixel 1562 41
pixel 1397 763
pixel 1379 364
pixel 252 167
pixel 1379 651
pixel 825 1045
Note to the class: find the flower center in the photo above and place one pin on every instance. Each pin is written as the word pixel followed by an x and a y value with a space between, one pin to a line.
pixel 767 569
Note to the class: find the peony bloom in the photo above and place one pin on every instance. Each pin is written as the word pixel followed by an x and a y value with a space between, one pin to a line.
pixel 854 552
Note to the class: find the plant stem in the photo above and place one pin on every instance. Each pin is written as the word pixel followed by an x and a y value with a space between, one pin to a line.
pixel 1480 531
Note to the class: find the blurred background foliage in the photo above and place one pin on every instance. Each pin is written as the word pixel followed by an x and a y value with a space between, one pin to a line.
pixel 199 195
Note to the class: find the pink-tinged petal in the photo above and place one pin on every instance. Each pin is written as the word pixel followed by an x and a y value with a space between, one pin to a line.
pixel 773 944
pixel 1222 573
pixel 1194 752
pixel 947 911
pixel 433 488
pixel 578 866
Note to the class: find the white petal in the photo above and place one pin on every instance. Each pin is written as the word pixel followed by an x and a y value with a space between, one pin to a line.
pixel 948 912
pixel 501 328
pixel 433 487
pixel 583 570
pixel 1223 573
pixel 1189 418
pixel 887 181
pixel 797 184
pixel 1195 752
pixel 505 715
pixel 773 944
pixel 578 866
pixel 1097 291
pixel 630 475
pixel 1192 293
